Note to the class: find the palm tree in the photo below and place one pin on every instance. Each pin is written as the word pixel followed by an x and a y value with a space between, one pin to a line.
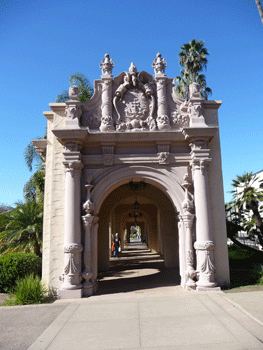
pixel 193 57
pixel 84 86
pixel 246 202
pixel 193 60
pixel 260 10
pixel 22 228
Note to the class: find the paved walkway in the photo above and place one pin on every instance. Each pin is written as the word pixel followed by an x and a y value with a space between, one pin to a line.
pixel 164 317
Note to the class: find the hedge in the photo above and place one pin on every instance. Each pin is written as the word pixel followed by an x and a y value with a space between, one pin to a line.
pixel 14 266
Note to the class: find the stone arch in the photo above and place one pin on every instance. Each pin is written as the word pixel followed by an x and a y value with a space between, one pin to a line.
pixel 161 178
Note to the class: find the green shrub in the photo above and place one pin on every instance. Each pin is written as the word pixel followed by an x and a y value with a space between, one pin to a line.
pixel 14 266
pixel 30 290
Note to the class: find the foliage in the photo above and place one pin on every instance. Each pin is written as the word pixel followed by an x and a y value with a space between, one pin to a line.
pixel 34 187
pixel 22 228
pixel 17 265
pixel 247 206
pixel 84 86
pixel 192 59
pixel 28 290
pixel 245 267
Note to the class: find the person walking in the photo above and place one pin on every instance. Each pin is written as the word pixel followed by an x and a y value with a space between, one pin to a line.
pixel 117 245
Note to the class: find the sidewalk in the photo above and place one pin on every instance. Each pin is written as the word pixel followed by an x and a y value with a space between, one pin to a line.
pixel 138 308
pixel 167 318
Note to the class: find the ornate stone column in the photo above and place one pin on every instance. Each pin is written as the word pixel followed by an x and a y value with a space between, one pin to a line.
pixel 106 66
pixel 204 244
pixel 159 65
pixel 187 218
pixel 87 222
pixel 72 287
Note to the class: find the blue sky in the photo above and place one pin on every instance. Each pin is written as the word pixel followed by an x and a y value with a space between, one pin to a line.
pixel 44 42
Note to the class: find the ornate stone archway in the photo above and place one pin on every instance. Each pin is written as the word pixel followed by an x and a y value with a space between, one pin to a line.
pixel 134 129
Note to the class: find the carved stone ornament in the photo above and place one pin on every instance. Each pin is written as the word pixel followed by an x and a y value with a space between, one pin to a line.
pixel 180 120
pixel 106 64
pixel 88 205
pixel 194 90
pixel 73 93
pixel 163 157
pixel 134 103
pixel 159 64
pixel 71 267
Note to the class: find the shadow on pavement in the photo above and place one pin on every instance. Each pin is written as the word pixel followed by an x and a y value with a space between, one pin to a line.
pixel 136 269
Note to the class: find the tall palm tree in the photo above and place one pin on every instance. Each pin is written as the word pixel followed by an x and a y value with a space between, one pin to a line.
pixel 193 57
pixel 260 10
pixel 22 228
pixel 193 60
pixel 85 88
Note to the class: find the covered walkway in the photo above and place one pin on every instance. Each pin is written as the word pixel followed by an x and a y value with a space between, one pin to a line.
pixel 137 268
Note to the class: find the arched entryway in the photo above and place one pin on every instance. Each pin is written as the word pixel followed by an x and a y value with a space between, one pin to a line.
pixel 158 217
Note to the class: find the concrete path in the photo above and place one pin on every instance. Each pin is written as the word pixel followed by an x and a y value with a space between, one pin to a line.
pixel 159 317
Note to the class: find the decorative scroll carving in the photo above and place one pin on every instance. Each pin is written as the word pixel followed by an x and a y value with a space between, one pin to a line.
pixel 134 103
pixel 159 64
pixel 106 65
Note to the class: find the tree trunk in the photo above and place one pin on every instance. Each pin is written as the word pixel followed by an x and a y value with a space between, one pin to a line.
pixel 260 10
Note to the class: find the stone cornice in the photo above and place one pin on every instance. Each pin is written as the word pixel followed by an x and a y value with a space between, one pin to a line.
pixel 70 135
pixel 57 107
pixel 214 104
pixel 154 136
pixel 206 133
pixel 49 115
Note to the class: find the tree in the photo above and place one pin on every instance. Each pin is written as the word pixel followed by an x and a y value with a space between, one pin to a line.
pixel 260 10
pixel 247 206
pixel 22 228
pixel 192 59
pixel 84 86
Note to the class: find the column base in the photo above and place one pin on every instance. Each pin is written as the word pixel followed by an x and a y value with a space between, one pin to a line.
pixel 70 293
pixel 87 289
pixel 207 289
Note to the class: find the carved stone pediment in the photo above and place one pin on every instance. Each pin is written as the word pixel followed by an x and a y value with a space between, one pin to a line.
pixel 134 102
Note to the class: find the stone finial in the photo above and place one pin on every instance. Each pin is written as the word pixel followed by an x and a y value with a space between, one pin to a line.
pixel 106 64
pixel 73 93
pixel 159 64
pixel 132 69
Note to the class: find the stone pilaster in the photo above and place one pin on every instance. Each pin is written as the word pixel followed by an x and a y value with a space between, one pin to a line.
pixel 163 121
pixel 204 244
pixel 106 95
pixel 72 277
